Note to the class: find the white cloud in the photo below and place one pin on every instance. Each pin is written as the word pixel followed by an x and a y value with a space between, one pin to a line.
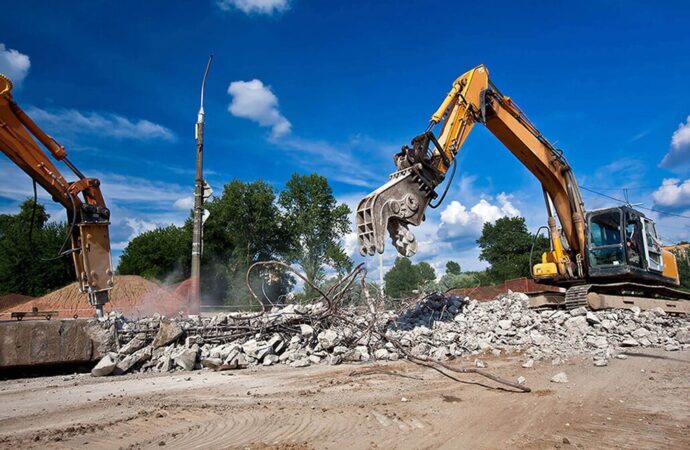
pixel 14 64
pixel 267 7
pixel 679 154
pixel 70 121
pixel 184 202
pixel 457 221
pixel 673 192
pixel 254 101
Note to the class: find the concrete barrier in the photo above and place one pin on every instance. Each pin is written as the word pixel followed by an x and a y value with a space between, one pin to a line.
pixel 44 342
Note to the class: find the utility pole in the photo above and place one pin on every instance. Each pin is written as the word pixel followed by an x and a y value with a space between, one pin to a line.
pixel 195 288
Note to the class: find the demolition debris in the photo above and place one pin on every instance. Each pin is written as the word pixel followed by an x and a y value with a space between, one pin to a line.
pixel 432 330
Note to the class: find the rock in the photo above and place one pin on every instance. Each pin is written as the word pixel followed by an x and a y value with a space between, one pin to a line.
pixel 306 330
pixel 186 359
pixel 340 350
pixel 334 360
pixel 505 324
pixel 577 324
pixel 521 380
pixel 640 333
pixel 658 311
pixel 630 342
pixel 302 362
pixel 592 318
pixel 271 359
pixel 165 363
pixel 636 310
pixel 132 360
pixel 528 364
pixel 211 363
pixel 132 346
pixel 601 362
pixel 480 364
pixel 167 332
pixel 381 353
pixel 683 336
pixel 560 377
pixel 104 367
pixel 328 339
pixel 621 356
pixel 262 352
pixel 581 311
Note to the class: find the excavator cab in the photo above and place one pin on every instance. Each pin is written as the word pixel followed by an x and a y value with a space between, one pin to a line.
pixel 622 243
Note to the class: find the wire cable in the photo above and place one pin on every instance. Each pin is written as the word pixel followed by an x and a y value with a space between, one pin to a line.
pixel 640 207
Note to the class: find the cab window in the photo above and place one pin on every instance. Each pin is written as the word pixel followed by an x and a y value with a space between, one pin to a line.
pixel 606 239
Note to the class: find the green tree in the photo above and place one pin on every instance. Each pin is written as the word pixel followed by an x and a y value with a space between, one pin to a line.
pixel 506 246
pixel 245 226
pixel 402 278
pixel 28 263
pixel 162 254
pixel 425 272
pixel 315 224
pixel 452 268
pixel 683 260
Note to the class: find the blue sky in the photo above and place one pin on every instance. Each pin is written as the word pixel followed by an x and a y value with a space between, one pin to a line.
pixel 338 87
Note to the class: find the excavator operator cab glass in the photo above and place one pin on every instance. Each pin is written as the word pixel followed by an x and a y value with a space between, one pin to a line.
pixel 606 238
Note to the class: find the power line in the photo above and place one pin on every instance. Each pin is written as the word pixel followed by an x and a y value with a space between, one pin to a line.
pixel 640 207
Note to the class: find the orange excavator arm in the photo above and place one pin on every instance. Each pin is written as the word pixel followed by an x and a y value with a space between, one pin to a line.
pixel 421 167
pixel 88 215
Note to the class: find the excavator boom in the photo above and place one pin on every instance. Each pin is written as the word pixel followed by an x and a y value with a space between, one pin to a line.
pixel 611 246
pixel 88 215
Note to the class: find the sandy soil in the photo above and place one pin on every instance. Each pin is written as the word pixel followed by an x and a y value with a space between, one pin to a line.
pixel 134 296
pixel 640 402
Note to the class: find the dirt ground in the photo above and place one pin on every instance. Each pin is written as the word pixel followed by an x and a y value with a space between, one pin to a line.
pixel 640 402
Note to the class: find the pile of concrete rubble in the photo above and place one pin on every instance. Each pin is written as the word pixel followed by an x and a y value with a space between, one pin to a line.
pixel 437 327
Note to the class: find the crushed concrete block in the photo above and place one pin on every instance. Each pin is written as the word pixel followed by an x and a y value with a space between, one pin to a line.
pixel 328 339
pixel 138 342
pixel 104 367
pixel 560 377
pixel 302 362
pixel 132 360
pixel 186 359
pixel 168 332
pixel 306 330
pixel 528 364
pixel 381 353
pixel 521 380
pixel 271 359
pixel 480 364
pixel 211 363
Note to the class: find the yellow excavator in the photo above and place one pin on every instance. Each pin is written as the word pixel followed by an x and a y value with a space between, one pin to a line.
pixel 89 218
pixel 605 258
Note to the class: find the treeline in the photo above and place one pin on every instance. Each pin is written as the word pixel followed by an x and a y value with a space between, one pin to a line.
pixel 249 222
pixel 29 247
pixel 505 245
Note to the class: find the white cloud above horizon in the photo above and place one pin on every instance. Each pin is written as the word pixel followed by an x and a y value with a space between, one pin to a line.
pixel 459 222
pixel 678 156
pixel 14 64
pixel 673 192
pixel 266 7
pixel 255 101
pixel 71 121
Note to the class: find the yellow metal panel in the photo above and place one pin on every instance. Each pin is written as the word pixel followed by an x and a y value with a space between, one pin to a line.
pixel 670 265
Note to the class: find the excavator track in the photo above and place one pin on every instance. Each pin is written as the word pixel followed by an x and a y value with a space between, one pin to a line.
pixel 576 296
pixel 624 295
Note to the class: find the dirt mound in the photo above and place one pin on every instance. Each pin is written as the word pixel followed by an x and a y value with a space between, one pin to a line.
pixel 132 295
pixel 11 300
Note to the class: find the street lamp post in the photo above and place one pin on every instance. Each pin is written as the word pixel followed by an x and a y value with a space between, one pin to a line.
pixel 195 288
